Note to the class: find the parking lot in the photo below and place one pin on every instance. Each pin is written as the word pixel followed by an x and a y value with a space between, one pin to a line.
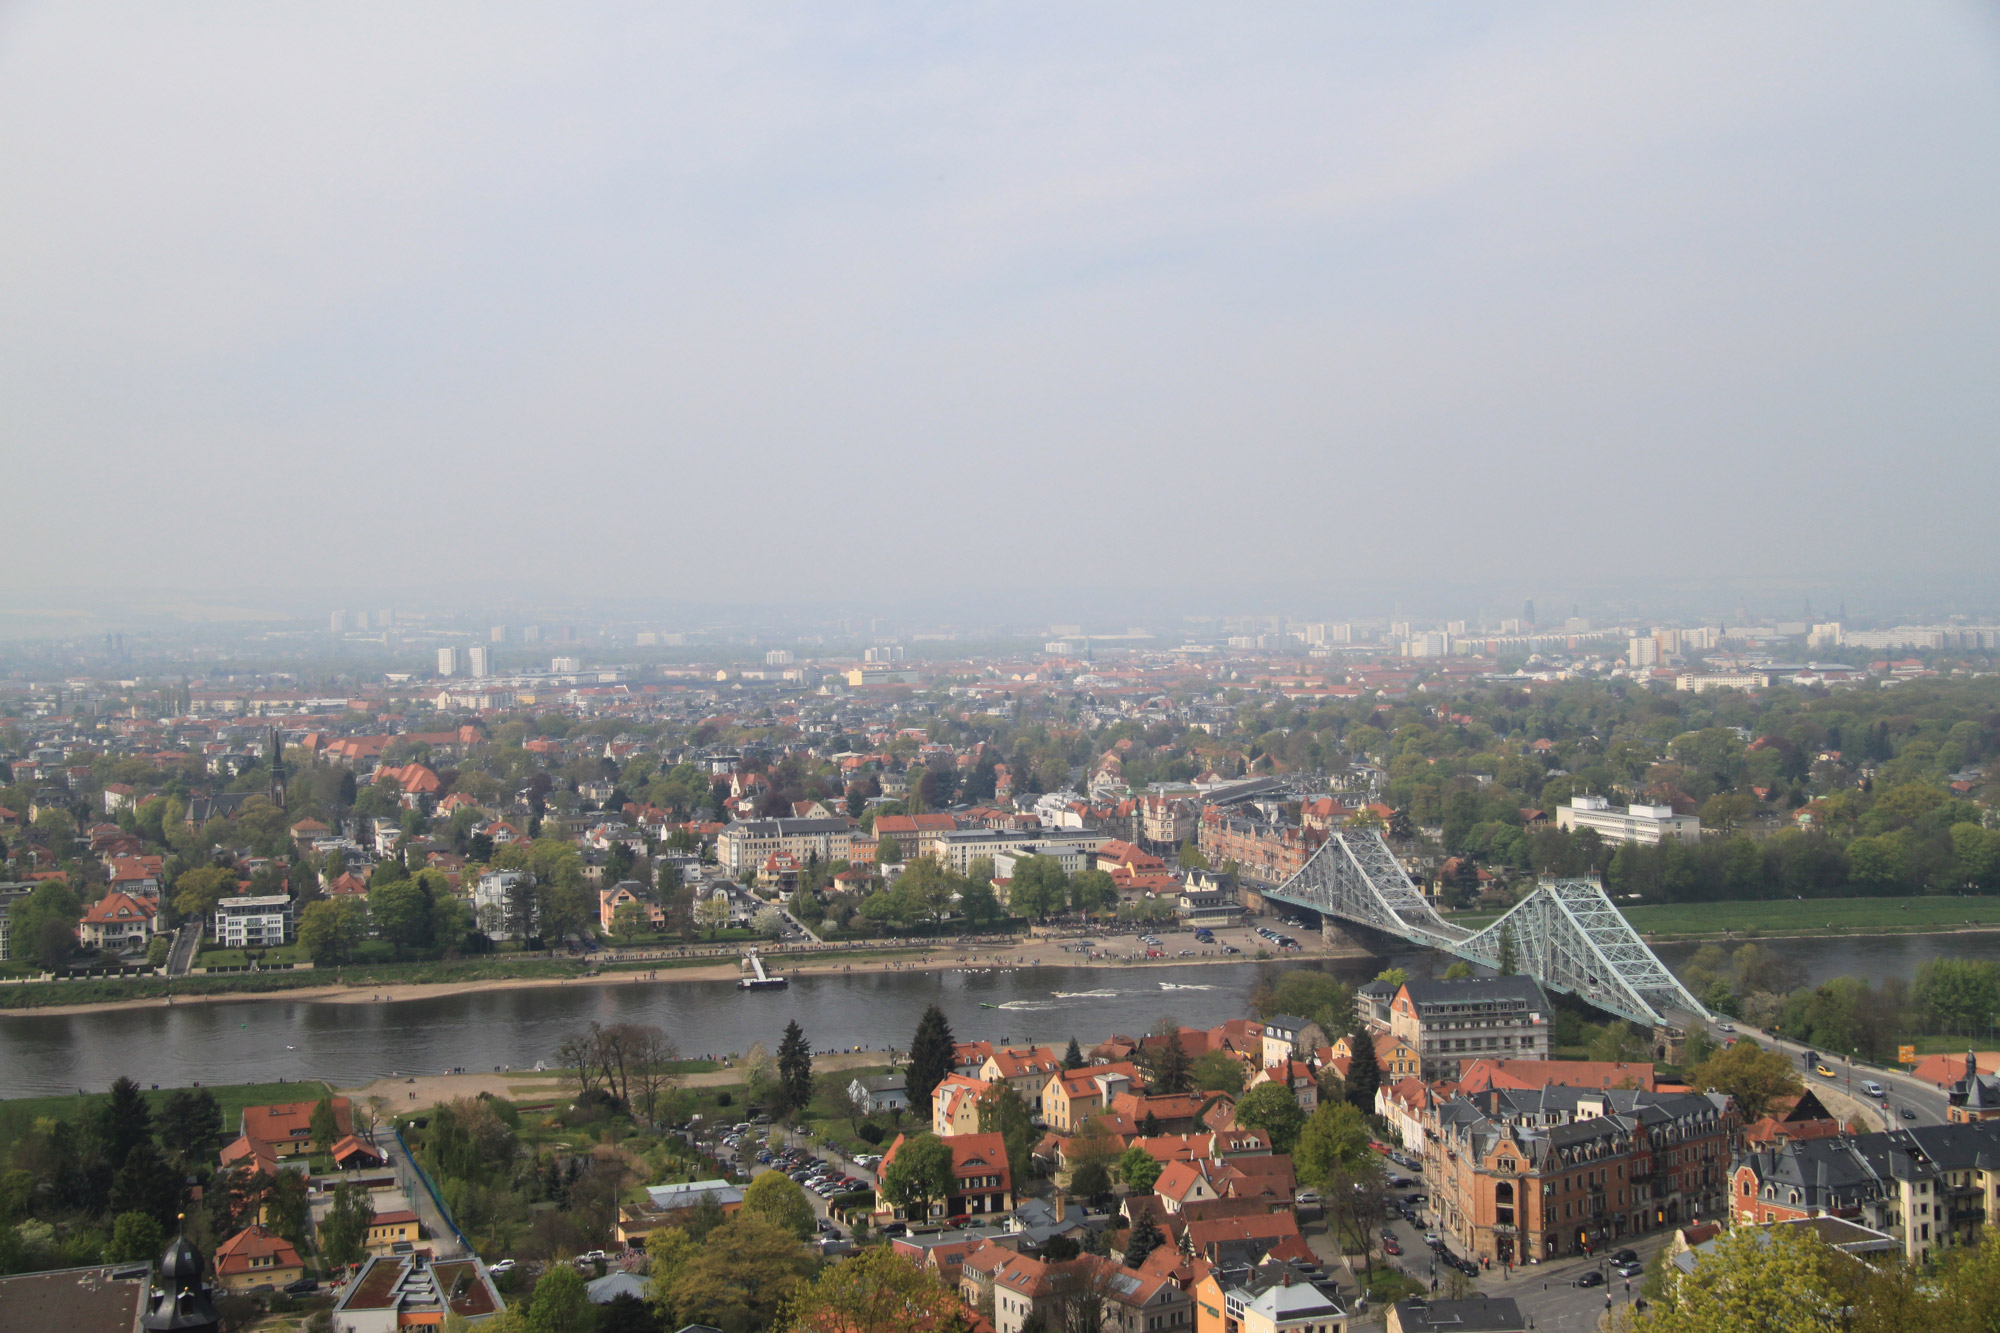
pixel 823 1173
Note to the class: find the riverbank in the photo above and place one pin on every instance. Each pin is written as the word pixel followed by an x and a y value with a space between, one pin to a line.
pixel 420 1092
pixel 615 971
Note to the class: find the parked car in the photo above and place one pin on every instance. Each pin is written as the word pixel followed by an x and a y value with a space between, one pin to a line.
pixel 307 1284
pixel 504 1266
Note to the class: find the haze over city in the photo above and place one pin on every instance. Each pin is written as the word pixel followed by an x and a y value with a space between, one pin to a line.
pixel 793 303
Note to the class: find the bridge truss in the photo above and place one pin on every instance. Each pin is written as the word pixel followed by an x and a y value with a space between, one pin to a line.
pixel 1567 935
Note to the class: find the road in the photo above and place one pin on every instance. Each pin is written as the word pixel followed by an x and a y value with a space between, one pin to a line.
pixel 443 1242
pixel 186 939
pixel 1926 1100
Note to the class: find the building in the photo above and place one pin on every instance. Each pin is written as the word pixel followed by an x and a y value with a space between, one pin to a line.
pixel 479 660
pixel 1024 1069
pixel 254 921
pixel 625 893
pixel 1069 847
pixel 1636 823
pixel 402 1291
pixel 1531 1174
pixel 493 899
pixel 10 894
pixel 1073 1096
pixel 1452 1022
pixel 120 922
pixel 103 1298
pixel 1025 1291
pixel 1929 1186
pixel 447 661
pixel 982 1183
pixel 1975 1096
pixel 1168 821
pixel 393 1232
pixel 1701 682
pixel 285 1129
pixel 748 843
pixel 256 1257
pixel 1289 1037
pixel 914 835
pixel 1264 851
pixel 879 1092
pixel 955 1105
pixel 1274 1298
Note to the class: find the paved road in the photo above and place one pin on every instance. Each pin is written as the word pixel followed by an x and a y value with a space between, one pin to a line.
pixel 186 940
pixel 1905 1093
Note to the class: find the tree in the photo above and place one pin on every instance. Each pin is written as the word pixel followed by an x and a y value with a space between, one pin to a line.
pixel 1192 857
pixel 712 914
pixel 1002 1112
pixel 748 1270
pixel 1334 1138
pixel 46 919
pixel 1272 1108
pixel 795 1067
pixel 560 1304
pixel 876 1291
pixel 197 891
pixel 1752 1075
pixel 1038 887
pixel 124 1121
pixel 1780 1280
pixel 1510 959
pixel 931 1057
pixel 1460 971
pixel 1318 996
pixel 1145 1238
pixel 1091 1180
pixel 631 920
pixel 778 1198
pixel 325 1129
pixel 146 1184
pixel 401 914
pixel 919 1175
pixel 1072 1055
pixel 191 1126
pixel 1138 1169
pixel 1394 977
pixel 331 928
pixel 980 904
pixel 135 1236
pixel 1217 1071
pixel 888 852
pixel 1364 1069
pixel 1618 1043
pixel 1168 1065
pixel 344 1229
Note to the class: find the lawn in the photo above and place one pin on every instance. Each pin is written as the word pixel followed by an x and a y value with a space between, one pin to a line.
pixel 1794 916
pixel 19 1114
pixel 290 953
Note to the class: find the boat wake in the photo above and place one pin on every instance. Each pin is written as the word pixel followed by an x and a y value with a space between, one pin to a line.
pixel 1026 1004
pixel 1084 994
pixel 1168 985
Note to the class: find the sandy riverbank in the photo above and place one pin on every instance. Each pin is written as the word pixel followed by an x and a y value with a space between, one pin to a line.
pixel 420 1092
pixel 1037 953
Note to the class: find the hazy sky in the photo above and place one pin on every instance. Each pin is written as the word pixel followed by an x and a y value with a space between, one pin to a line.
pixel 774 300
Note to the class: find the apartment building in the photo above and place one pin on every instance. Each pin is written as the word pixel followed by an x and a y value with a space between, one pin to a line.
pixel 254 921
pixel 1453 1022
pixel 1519 1174
pixel 748 843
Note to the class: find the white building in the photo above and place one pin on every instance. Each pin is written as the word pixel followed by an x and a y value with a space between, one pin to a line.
pixel 778 657
pixel 253 921
pixel 490 899
pixel 565 666
pixel 1635 823
pixel 479 660
pixel 447 661
pixel 1643 651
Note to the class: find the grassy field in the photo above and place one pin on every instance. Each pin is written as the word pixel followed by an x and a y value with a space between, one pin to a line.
pixel 20 1113
pixel 1810 916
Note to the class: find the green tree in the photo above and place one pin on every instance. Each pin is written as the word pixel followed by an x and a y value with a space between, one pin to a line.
pixel 1460 971
pixel 325 1128
pixel 146 1184
pixel 1218 1071
pixel 1752 1075
pixel 190 1124
pixel 124 1120
pixel 930 1057
pixel 1318 996
pixel 1510 958
pixel 1335 1138
pixel 197 891
pixel 1138 1169
pixel 343 1231
pixel 1192 857
pixel 1072 1055
pixel 560 1304
pixel 795 1067
pixel 876 1291
pixel 778 1198
pixel 45 921
pixel 135 1237
pixel 749 1269
pixel 1144 1239
pixel 1092 891
pixel 918 1176
pixel 1364 1069
pixel 980 904
pixel 1272 1108
pixel 1002 1112
pixel 401 914
pixel 888 851
pixel 1395 977
pixel 1038 887
pixel 1168 1067
pixel 1618 1042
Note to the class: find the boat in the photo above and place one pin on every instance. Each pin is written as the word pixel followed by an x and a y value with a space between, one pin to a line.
pixel 984 1005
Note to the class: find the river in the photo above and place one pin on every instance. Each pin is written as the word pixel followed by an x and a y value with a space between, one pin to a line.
pixel 256 1040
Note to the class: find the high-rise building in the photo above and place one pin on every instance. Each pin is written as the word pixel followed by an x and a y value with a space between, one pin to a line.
pixel 498 634
pixel 531 634
pixel 479 660
pixel 1528 611
pixel 447 661
pixel 566 666
pixel 778 657
pixel 384 619
pixel 1455 628
pixel 1643 651
pixel 338 622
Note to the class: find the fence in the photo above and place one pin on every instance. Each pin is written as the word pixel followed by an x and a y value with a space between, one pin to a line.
pixel 406 1166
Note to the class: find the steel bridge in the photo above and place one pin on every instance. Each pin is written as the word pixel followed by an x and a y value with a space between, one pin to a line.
pixel 1566 934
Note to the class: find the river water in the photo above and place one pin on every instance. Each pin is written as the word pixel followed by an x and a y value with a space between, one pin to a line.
pixel 242 1041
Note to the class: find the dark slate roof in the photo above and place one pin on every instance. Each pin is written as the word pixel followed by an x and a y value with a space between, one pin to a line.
pixel 1477 990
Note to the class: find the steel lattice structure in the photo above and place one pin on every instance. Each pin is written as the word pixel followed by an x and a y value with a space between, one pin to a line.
pixel 1566 934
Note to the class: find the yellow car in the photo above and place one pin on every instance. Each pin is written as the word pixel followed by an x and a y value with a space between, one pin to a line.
pixel 1822 1071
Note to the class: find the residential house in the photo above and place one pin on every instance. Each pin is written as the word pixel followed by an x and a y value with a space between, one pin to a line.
pixel 1289 1037
pixel 286 1127
pixel 256 1257
pixel 1072 1096
pixel 982 1183
pixel 879 1092
pixel 1024 1069
pixel 1451 1023
pixel 748 843
pixel 253 921
pixel 394 1232
pixel 955 1105
pixel 121 922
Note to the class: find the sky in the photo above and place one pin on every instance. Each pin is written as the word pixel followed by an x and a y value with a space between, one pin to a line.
pixel 786 302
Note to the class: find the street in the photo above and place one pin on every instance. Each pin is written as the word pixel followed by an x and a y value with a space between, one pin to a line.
pixel 1925 1099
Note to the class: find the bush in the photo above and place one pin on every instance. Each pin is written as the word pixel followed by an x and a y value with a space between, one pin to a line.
pixel 724 1099
pixel 871 1132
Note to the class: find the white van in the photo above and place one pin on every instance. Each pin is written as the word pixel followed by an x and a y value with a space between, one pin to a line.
pixel 1873 1089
